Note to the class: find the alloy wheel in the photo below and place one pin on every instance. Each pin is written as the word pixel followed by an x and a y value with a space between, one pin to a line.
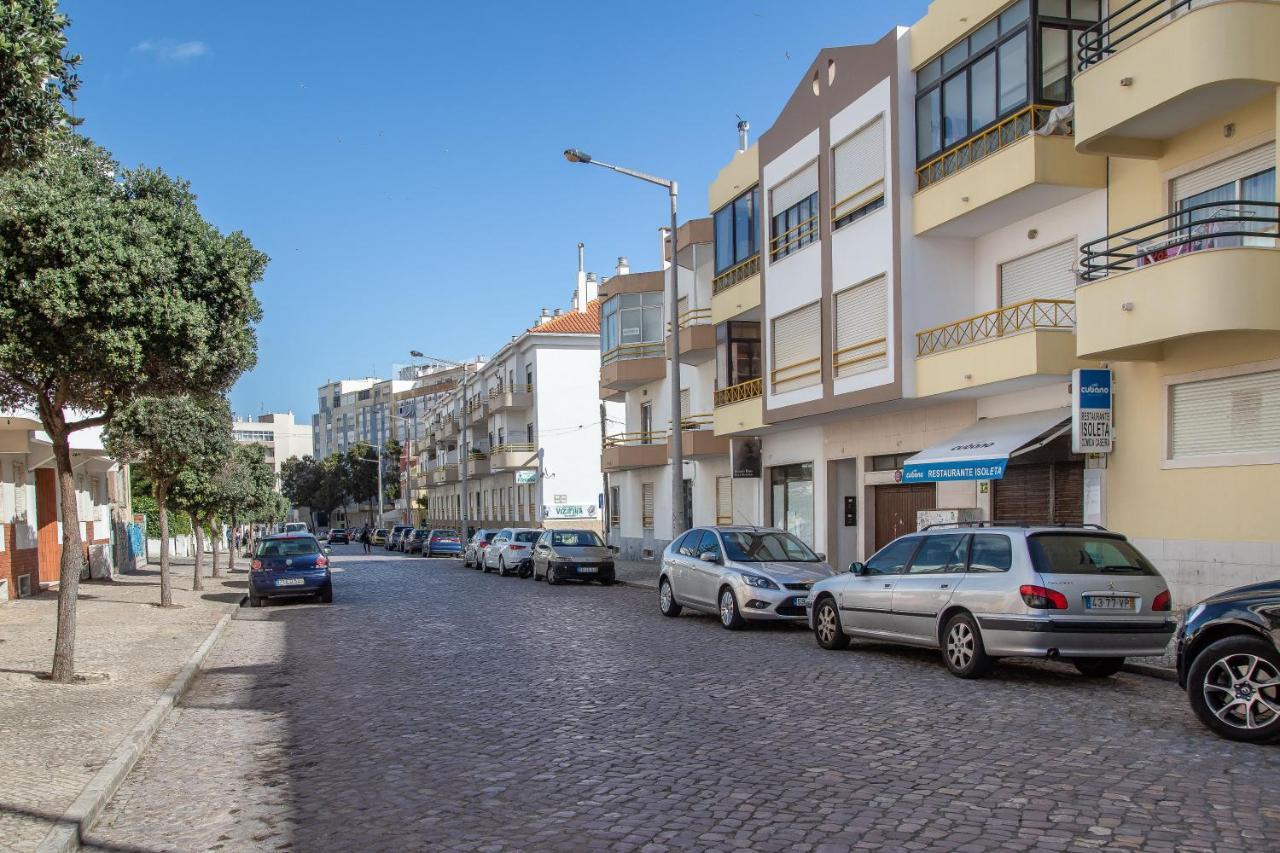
pixel 1243 691
pixel 727 607
pixel 827 627
pixel 664 597
pixel 960 645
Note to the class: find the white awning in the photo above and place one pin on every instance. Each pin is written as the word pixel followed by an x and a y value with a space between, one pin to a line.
pixel 982 451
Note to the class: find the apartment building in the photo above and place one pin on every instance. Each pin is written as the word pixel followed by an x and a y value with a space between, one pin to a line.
pixel 354 411
pixel 635 350
pixel 282 437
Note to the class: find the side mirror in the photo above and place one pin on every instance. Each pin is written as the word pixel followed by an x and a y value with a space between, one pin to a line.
pixel 613 548
pixel 709 557
pixel 856 568
pixel 822 556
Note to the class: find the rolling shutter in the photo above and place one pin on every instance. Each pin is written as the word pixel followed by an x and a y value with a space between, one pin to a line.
pixel 724 500
pixel 794 189
pixel 861 322
pixel 684 404
pixel 1224 172
pixel 646 505
pixel 858 167
pixel 1048 274
pixel 1235 414
pixel 797 346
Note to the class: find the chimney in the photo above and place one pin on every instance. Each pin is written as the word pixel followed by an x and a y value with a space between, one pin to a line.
pixel 623 268
pixel 546 316
pixel 593 288
pixel 664 237
pixel 743 127
pixel 557 314
pixel 580 293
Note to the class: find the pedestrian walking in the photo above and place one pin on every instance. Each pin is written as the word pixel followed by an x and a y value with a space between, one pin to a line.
pixel 365 536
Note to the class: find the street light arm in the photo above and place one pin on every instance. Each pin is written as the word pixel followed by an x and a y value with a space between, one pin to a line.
pixel 623 170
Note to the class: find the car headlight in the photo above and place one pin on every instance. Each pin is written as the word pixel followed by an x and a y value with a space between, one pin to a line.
pixel 1192 614
pixel 758 582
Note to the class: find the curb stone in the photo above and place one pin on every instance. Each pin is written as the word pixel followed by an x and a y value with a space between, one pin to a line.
pixel 80 816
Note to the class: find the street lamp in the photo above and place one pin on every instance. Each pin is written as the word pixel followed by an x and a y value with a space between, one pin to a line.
pixel 678 521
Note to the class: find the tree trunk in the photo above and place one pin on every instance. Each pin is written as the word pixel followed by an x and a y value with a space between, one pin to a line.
pixel 64 645
pixel 197 585
pixel 235 543
pixel 215 535
pixel 166 588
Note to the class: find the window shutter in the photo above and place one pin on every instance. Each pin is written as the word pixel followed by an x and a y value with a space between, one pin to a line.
pixel 1224 171
pixel 794 189
pixel 861 323
pixel 1235 414
pixel 859 168
pixel 684 404
pixel 797 344
pixel 1047 274
pixel 646 502
pixel 724 500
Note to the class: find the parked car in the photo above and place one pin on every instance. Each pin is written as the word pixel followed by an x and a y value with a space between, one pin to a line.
pixel 560 555
pixel 289 565
pixel 295 527
pixel 511 551
pixel 741 573
pixel 442 541
pixel 1228 652
pixel 984 591
pixel 411 542
pixel 393 539
pixel 379 536
pixel 473 554
pixel 339 535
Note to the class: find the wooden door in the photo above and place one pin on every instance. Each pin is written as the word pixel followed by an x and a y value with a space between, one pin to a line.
pixel 896 508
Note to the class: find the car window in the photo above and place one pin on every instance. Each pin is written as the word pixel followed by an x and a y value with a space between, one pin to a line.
pixel 752 546
pixel 990 552
pixel 577 539
pixel 688 543
pixel 890 559
pixel 710 544
pixel 528 536
pixel 489 535
pixel 1084 554
pixel 544 540
pixel 939 554
pixel 287 547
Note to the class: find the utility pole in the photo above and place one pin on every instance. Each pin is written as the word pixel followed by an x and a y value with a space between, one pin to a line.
pixel 604 476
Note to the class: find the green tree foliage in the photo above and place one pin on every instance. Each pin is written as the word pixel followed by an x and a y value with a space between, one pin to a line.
pixel 198 492
pixel 167 436
pixel 112 287
pixel 36 76
pixel 361 467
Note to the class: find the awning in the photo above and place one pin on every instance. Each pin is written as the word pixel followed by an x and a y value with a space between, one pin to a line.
pixel 982 451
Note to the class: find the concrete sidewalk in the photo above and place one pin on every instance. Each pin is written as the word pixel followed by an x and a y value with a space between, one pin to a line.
pixel 56 737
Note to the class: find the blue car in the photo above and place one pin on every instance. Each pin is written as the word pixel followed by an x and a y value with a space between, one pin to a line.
pixel 442 542
pixel 289 565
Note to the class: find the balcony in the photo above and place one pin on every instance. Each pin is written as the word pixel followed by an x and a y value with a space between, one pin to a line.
pixel 630 450
pixel 1007 173
pixel 513 398
pixel 445 474
pixel 629 366
pixel 739 408
pixel 1014 347
pixel 735 291
pixel 478 464
pixel 477 414
pixel 512 457
pixel 449 428
pixel 697 337
pixel 1208 269
pixel 1153 69
pixel 698 439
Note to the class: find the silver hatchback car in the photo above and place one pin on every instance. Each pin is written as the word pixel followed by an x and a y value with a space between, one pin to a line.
pixel 985 591
pixel 741 573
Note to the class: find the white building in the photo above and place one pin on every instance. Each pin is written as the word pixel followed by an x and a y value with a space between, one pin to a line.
pixel 282 437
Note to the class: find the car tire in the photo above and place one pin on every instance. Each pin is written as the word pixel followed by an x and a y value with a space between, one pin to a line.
pixel 502 567
pixel 826 626
pixel 667 599
pixel 1098 667
pixel 552 578
pixel 1210 696
pixel 730 617
pixel 962 648
pixel 326 594
pixel 255 600
pixel 607 581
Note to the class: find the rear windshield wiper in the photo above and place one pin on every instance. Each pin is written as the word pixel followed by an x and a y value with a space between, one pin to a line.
pixel 1120 568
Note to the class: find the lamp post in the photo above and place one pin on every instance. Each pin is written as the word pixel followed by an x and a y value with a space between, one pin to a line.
pixel 678 521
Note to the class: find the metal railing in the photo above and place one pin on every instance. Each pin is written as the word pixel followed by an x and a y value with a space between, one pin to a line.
pixel 698 421
pixel 636 439
pixel 859 196
pixel 1127 22
pixel 796 372
pixel 495 393
pixel 749 390
pixel 853 355
pixel 625 352
pixel 1019 317
pixel 998 136
pixel 522 447
pixel 736 274
pixel 693 317
pixel 781 245
pixel 1224 226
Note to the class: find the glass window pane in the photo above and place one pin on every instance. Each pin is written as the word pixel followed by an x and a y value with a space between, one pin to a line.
pixel 955 106
pixel 1013 73
pixel 755 230
pixel 939 554
pixel 724 238
pixel 928 124
pixel 955 57
pixel 892 557
pixel 630 300
pixel 929 74
pixel 1085 10
pixel 652 324
pixel 1055 68
pixel 1014 15
pixel 630 325
pixel 984 37
pixel 1052 8
pixel 983 85
pixel 743 220
pixel 653 297
pixel 990 552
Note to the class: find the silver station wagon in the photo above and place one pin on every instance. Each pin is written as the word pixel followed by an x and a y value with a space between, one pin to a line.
pixel 740 573
pixel 985 591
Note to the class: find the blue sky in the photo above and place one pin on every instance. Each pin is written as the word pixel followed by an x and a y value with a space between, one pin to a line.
pixel 400 162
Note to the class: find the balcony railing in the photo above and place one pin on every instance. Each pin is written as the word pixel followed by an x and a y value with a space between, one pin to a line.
pixel 857 355
pixel 795 372
pixel 522 447
pixel 693 317
pixel 625 352
pixel 748 390
pixel 999 136
pixel 736 274
pixel 1127 22
pixel 1019 317
pixel 632 439
pixel 794 238
pixel 700 421
pixel 495 393
pixel 1212 225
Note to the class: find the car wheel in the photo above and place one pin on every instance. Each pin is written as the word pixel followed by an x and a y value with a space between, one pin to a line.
pixel 326 594
pixel 1098 667
pixel 667 599
pixel 826 626
pixel 552 578
pixel 502 567
pixel 730 618
pixel 255 600
pixel 962 648
pixel 606 581
pixel 1234 688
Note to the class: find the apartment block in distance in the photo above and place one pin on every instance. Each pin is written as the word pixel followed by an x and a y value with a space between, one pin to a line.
pixel 278 433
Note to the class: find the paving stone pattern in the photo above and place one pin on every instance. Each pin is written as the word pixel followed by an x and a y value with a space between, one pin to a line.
pixel 435 708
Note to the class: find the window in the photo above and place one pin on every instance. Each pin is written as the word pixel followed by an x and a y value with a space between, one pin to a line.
pixel 724 500
pixel 890 461
pixel 528 375
pixel 710 544
pixel 1225 416
pixel 858 174
pixel 791 491
pixel 940 554
pixel 861 325
pixel 735 227
pixel 1220 189
pixel 738 353
pixel 1047 274
pixel 1085 554
pixel 751 547
pixel 990 552
pixel 528 433
pixel 615 506
pixel 794 207
pixel 646 423
pixel 797 343
pixel 687 545
pixel 631 318
pixel 646 506
pixel 891 559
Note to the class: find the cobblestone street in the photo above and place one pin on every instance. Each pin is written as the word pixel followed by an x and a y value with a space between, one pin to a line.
pixel 432 707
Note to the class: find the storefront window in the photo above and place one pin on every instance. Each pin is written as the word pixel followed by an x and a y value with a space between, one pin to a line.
pixel 792 498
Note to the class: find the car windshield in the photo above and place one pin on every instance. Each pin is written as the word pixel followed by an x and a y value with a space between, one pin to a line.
pixel 445 534
pixel 299 547
pixel 526 535
pixel 1076 554
pixel 576 539
pixel 749 546
pixel 381 531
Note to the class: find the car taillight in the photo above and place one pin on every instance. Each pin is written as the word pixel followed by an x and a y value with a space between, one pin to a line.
pixel 256 565
pixel 1042 598
pixel 483 544
pixel 518 547
pixel 1163 601
pixel 322 562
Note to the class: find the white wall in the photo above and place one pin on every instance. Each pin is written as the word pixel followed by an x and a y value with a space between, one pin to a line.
pixel 793 447
pixel 567 425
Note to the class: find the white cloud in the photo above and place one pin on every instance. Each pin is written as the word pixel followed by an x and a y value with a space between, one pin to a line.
pixel 168 50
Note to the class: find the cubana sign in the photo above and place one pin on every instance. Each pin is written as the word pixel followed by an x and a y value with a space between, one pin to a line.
pixel 1091 408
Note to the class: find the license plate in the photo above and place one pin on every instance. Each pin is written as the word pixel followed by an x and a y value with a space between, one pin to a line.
pixel 587 570
pixel 801 600
pixel 290 582
pixel 1108 602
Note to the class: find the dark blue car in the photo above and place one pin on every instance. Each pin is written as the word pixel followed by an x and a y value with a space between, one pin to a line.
pixel 289 565
pixel 442 542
